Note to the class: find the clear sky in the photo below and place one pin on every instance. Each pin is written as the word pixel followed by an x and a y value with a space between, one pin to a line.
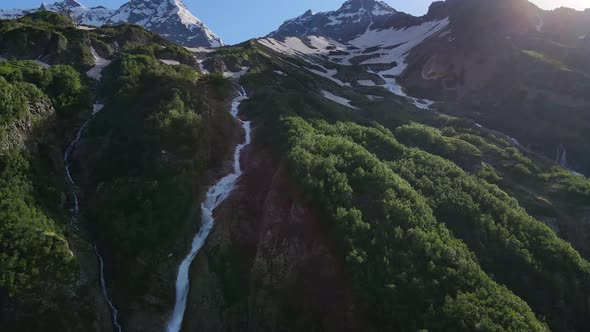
pixel 238 20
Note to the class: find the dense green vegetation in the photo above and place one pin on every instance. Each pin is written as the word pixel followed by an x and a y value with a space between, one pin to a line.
pixel 37 264
pixel 412 272
pixel 162 131
pixel 157 149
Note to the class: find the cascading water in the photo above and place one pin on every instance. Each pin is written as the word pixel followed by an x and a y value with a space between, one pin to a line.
pixel 76 211
pixel 215 196
pixel 563 160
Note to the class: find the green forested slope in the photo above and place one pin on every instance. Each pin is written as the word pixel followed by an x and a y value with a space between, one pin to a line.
pixel 141 167
pixel 427 239
pixel 38 268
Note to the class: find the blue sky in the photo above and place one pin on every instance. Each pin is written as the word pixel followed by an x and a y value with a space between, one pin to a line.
pixel 238 20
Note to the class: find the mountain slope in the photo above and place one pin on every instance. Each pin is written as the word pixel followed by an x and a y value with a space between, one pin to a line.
pixel 169 18
pixel 479 59
pixel 332 153
pixel 357 207
pixel 57 211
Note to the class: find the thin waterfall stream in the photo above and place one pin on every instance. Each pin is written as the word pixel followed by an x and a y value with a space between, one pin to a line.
pixel 95 73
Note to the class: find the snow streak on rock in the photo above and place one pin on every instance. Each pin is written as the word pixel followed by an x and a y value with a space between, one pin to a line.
pixel 170 62
pixel 337 99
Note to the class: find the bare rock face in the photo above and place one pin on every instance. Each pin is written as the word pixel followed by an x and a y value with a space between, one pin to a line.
pixel 268 264
pixel 20 132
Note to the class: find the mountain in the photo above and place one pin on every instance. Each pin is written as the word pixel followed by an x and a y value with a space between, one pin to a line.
pixel 415 174
pixel 458 56
pixel 169 18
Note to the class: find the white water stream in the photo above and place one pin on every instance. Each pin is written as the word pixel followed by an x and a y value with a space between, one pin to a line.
pixel 215 196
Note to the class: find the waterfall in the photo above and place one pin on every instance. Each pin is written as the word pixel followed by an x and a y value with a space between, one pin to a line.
pixel 75 211
pixel 215 196
pixel 563 160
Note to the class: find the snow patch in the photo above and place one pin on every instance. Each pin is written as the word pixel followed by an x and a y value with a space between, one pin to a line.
pixel 373 98
pixel 337 99
pixel 380 10
pixel 41 63
pixel 99 64
pixel 236 75
pixel 406 39
pixel 97 108
pixel 199 49
pixel 366 83
pixel 86 28
pixel 202 67
pixel 393 86
pixel 280 73
pixel 295 46
pixel 329 74
pixel 170 62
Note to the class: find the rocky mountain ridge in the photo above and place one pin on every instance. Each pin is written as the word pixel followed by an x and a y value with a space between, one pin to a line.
pixel 169 18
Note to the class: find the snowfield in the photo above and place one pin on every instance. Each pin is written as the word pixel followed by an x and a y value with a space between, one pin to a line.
pixel 390 46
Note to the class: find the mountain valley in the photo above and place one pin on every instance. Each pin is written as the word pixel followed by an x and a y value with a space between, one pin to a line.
pixel 354 170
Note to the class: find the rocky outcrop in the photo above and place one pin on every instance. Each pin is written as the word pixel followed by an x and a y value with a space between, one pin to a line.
pixel 20 131
pixel 268 264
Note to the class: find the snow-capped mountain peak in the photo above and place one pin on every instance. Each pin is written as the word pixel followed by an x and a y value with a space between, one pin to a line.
pixel 353 18
pixel 63 4
pixel 375 8
pixel 169 18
